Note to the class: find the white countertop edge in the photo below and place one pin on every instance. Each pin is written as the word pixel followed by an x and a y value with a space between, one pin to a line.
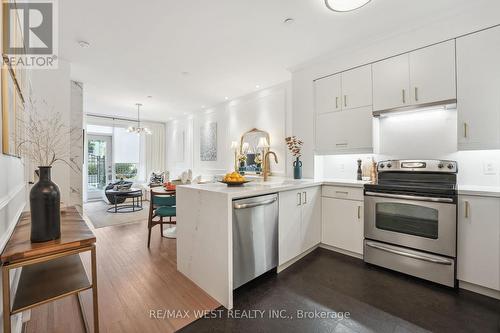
pixel 291 184
pixel 482 191
pixel 257 190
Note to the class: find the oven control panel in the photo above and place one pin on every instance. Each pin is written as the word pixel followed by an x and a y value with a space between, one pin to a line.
pixel 418 166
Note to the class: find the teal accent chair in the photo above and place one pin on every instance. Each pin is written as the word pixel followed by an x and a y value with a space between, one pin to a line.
pixel 161 206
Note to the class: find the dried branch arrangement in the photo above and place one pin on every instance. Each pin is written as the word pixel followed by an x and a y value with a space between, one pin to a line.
pixel 294 145
pixel 46 137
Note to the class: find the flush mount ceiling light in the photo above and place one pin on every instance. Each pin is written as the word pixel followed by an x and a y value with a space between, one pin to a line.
pixel 345 5
pixel 83 44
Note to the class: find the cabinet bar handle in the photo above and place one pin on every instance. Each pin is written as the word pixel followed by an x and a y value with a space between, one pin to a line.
pixel 467 209
pixel 345 100
pixel 342 192
pixel 404 96
pixel 359 212
pixel 341 144
pixel 416 94
pixel 299 199
pixel 336 102
pixel 304 200
pixel 465 129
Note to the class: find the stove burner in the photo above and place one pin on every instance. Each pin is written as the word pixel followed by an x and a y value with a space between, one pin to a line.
pixel 433 177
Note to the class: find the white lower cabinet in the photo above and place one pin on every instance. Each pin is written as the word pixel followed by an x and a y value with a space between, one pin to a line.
pixel 299 222
pixel 310 228
pixel 343 224
pixel 479 241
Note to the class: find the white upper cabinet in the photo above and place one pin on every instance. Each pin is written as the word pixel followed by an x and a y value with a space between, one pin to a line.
pixel 420 77
pixel 432 74
pixel 344 113
pixel 357 88
pixel 391 83
pixel 328 94
pixel 478 86
pixel 479 241
pixel 348 90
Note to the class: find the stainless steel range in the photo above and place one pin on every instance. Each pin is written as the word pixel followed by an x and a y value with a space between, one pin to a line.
pixel 411 219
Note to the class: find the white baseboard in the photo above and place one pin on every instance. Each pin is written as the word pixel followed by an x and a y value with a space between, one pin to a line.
pixel 336 249
pixel 479 289
pixel 290 262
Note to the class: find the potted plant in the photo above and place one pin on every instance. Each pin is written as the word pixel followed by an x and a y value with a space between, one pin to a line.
pixel 294 145
pixel 45 143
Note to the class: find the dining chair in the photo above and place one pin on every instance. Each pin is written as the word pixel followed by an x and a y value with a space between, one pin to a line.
pixel 162 206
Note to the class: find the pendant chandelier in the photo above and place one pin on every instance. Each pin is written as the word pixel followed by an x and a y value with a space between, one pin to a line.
pixel 138 130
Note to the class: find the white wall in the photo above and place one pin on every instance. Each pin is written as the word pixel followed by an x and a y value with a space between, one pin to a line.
pixel 480 14
pixel 471 166
pixel 53 87
pixel 179 146
pixel 267 110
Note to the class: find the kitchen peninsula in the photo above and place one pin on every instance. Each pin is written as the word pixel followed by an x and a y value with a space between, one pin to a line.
pixel 205 228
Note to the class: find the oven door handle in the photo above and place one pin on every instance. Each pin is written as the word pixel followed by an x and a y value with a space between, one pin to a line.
pixel 408 197
pixel 409 255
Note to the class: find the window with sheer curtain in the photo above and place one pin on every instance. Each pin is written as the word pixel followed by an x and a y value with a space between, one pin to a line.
pixel 126 153
pixel 134 156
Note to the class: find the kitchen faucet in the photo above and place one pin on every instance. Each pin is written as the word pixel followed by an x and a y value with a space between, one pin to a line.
pixel 266 169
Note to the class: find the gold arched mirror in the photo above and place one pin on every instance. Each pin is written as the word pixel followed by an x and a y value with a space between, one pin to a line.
pixel 253 143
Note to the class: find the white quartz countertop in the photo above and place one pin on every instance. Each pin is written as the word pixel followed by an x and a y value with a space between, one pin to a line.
pixel 278 184
pixel 484 191
pixel 259 187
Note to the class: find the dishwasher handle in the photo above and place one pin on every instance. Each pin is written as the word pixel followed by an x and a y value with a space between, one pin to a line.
pixel 254 204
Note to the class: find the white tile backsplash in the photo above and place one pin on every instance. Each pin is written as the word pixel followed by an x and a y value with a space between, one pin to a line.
pixel 471 166
pixel 422 134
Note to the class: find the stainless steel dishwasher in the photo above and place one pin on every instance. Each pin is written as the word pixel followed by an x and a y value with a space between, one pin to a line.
pixel 255 237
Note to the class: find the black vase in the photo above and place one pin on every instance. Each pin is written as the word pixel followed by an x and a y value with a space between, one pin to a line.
pixel 45 204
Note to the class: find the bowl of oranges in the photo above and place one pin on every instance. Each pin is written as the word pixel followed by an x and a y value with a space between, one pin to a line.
pixel 234 179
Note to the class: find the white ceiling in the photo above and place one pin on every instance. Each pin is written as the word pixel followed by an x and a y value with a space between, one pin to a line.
pixel 141 48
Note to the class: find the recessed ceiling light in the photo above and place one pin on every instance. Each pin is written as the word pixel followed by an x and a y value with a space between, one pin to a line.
pixel 345 5
pixel 226 98
pixel 288 20
pixel 203 106
pixel 257 86
pixel 83 44
pixel 149 96
pixel 185 73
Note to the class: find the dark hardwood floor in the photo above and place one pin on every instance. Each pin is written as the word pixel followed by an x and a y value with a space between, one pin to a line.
pixel 377 300
pixel 132 280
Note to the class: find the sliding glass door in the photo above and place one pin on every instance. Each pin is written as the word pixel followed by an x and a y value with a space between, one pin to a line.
pixel 99 165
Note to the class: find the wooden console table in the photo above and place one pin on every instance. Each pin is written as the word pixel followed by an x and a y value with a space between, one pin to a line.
pixel 50 270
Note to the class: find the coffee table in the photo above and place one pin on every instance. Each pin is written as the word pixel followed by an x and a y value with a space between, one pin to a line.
pixel 132 193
